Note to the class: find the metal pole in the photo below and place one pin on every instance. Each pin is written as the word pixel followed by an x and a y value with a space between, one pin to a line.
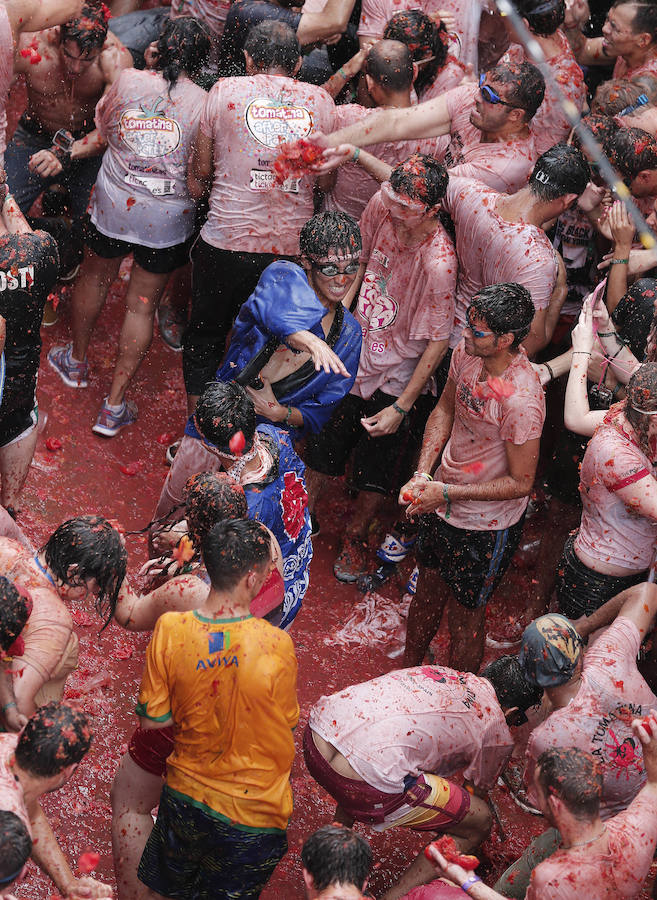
pixel 616 185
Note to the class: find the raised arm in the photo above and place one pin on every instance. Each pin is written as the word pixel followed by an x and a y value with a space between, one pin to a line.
pixel 317 26
pixel 430 119
pixel 36 15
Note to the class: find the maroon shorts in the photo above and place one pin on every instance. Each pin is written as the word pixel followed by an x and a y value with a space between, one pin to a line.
pixel 150 748
pixel 439 803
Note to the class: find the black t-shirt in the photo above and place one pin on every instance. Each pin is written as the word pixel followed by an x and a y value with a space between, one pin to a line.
pixel 29 266
pixel 242 16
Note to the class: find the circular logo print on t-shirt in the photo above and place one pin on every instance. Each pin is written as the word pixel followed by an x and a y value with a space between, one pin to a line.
pixel 272 122
pixel 149 134
pixel 375 305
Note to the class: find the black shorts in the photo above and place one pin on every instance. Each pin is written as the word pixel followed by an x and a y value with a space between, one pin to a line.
pixel 580 590
pixel 191 855
pixel 380 464
pixel 18 423
pixel 472 563
pixel 157 261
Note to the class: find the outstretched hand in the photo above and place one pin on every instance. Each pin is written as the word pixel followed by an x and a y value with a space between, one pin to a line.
pixel 321 354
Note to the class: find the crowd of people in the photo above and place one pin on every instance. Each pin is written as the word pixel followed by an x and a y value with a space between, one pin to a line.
pixel 384 255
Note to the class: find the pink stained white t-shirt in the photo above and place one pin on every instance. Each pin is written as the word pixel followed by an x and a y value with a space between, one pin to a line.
pixel 424 719
pixel 598 719
pixel 11 792
pixel 375 15
pixel 141 191
pixel 610 530
pixel 354 187
pixel 550 124
pixel 483 423
pixel 406 299
pixel 503 165
pixel 248 118
pixel 450 76
pixel 491 250
pixel 622 70
pixel 212 12
pixel 6 74
pixel 615 866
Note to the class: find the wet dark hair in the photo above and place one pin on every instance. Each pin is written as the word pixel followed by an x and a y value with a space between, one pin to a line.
pixel 421 178
pixel 390 64
pixel 572 775
pixel 602 128
pixel 645 17
pixel 559 171
pixel 632 150
pixel 13 613
pixel 642 395
pixel 211 497
pixel 56 736
pixel 527 85
pixel 273 45
pixel 505 307
pixel 424 39
pixel 89 29
pixel 231 548
pixel 328 230
pixel 543 16
pixel 512 688
pixel 613 96
pixel 336 855
pixel 223 409
pixel 15 847
pixel 183 46
pixel 93 547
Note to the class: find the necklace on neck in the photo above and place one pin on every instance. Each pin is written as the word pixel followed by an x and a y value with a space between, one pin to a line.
pixel 45 571
pixel 590 841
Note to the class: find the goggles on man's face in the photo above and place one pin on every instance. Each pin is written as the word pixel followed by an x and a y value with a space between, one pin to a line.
pixel 489 95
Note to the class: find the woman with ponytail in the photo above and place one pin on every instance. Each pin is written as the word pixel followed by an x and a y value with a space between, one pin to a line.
pixel 140 205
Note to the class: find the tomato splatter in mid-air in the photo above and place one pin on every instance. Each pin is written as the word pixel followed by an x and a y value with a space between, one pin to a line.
pixel 88 861
pixel 237 443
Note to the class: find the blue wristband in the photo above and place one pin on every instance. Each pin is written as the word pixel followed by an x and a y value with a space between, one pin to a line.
pixel 467 884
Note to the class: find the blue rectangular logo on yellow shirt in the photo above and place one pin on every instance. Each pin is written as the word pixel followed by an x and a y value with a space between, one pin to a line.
pixel 218 640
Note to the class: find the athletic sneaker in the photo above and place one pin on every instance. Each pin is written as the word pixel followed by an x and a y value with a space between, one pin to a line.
pixel 350 562
pixel 73 373
pixel 372 581
pixel 411 584
pixel 394 549
pixel 110 423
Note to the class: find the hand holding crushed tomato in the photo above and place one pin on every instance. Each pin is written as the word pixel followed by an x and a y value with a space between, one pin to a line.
pixel 421 496
pixel 448 868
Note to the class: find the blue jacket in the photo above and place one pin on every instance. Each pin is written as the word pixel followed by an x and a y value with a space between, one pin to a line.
pixel 282 303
